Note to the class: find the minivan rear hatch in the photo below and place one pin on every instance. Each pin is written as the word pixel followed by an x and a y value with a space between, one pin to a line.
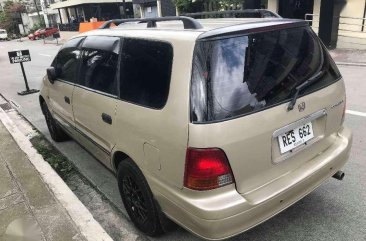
pixel 242 84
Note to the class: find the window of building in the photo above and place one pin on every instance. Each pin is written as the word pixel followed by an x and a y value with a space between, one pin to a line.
pixel 145 72
pixel 99 64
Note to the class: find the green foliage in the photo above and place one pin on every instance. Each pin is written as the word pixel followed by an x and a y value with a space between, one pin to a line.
pixel 182 3
pixel 230 4
pixel 9 19
pixel 51 155
pixel 189 6
pixel 38 25
pixel 2 18
pixel 186 6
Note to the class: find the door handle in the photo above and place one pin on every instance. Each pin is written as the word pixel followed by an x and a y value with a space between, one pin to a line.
pixel 107 118
pixel 67 99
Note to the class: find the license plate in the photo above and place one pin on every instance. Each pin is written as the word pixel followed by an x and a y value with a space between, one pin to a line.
pixel 295 137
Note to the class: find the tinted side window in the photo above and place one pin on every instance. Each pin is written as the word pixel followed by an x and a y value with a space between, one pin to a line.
pixel 66 62
pixel 145 72
pixel 99 64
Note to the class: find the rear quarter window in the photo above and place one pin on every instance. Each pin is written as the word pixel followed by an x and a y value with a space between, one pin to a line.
pixel 146 67
pixel 241 75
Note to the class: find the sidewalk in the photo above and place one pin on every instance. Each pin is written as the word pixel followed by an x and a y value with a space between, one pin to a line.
pixel 35 204
pixel 27 206
pixel 349 57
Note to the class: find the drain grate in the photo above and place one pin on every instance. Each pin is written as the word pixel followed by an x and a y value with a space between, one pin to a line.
pixel 6 106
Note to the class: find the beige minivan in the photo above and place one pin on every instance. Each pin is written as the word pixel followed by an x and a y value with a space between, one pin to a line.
pixel 215 124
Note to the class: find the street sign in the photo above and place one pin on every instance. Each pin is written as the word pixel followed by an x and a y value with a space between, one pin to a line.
pixel 56 36
pixel 19 56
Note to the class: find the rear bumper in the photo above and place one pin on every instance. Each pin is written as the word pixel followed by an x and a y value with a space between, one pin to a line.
pixel 223 213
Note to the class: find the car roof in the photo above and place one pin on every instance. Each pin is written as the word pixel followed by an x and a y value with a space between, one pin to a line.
pixel 210 27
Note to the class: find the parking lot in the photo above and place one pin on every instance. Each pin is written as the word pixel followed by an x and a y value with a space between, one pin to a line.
pixel 334 211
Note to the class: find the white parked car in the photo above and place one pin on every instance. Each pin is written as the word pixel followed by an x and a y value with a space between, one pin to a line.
pixel 216 124
pixel 3 34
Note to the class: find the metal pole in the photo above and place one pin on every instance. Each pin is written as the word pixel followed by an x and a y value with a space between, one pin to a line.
pixel 124 8
pixel 363 20
pixel 25 77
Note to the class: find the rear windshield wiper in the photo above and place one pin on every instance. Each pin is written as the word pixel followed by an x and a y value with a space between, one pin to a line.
pixel 301 87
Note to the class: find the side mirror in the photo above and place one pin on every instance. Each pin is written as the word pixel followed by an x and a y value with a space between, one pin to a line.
pixel 51 74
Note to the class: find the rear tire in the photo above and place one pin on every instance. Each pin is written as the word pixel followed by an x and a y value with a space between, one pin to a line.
pixel 55 130
pixel 138 199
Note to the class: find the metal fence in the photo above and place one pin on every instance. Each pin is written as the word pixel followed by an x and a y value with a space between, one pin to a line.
pixel 351 30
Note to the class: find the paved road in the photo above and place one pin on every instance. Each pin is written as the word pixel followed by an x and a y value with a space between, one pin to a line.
pixel 335 211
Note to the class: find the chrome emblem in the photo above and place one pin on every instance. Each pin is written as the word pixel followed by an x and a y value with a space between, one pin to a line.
pixel 301 106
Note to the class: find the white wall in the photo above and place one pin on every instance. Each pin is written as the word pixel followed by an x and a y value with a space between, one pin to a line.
pixel 273 5
pixel 349 34
pixel 27 21
pixel 355 9
pixel 316 12
pixel 63 15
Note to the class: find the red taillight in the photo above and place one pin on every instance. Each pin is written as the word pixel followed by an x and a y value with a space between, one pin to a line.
pixel 207 169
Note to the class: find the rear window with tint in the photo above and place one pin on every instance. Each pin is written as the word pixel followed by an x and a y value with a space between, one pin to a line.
pixel 145 72
pixel 241 75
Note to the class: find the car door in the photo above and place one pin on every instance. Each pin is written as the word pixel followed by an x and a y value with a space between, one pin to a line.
pixel 66 65
pixel 95 96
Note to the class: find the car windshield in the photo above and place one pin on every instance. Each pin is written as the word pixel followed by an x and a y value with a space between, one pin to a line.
pixel 241 75
pixel 2 31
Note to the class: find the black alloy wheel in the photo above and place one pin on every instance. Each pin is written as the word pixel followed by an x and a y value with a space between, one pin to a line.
pixel 134 199
pixel 55 130
pixel 138 199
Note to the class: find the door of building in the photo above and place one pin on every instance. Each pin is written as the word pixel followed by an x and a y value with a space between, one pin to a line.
pixel 151 12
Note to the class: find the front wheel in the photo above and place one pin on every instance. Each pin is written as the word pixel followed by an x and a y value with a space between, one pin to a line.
pixel 138 199
pixel 55 130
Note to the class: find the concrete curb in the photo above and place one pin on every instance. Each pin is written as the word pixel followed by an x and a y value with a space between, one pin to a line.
pixel 351 64
pixel 81 216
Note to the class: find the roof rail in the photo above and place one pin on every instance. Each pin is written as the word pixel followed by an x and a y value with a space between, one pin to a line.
pixel 250 12
pixel 188 23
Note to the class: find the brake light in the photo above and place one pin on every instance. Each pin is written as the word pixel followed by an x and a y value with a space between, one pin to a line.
pixel 207 169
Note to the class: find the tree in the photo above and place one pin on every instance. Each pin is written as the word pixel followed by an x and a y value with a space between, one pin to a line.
pixel 39 16
pixel 187 6
pixel 10 17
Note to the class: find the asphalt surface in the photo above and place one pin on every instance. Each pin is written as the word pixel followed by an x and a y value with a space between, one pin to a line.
pixel 334 211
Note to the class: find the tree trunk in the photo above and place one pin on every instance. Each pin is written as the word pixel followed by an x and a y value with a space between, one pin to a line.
pixel 39 16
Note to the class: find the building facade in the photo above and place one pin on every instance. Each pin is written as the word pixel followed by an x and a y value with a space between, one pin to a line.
pixel 155 8
pixel 340 23
pixel 76 11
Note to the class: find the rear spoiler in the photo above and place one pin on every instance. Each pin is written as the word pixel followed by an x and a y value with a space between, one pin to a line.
pixel 249 28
